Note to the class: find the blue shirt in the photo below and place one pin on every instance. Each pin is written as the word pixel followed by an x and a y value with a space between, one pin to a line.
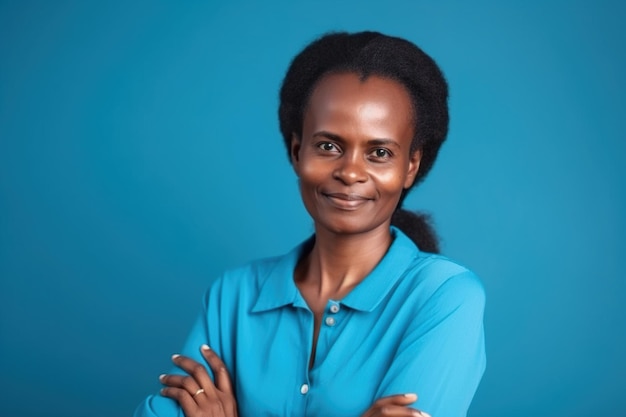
pixel 413 325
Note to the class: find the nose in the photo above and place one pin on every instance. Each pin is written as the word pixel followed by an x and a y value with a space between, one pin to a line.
pixel 350 169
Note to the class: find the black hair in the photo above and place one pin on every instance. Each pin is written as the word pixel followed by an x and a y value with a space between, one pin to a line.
pixel 367 54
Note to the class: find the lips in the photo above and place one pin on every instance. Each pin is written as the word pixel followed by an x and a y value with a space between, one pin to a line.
pixel 346 201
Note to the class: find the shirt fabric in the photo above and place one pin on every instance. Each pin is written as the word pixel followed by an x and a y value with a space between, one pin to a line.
pixel 413 325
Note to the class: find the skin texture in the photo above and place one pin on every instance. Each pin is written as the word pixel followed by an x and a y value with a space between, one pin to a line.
pixel 197 394
pixel 353 161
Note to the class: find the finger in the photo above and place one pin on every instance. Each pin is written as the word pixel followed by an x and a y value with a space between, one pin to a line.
pixel 222 378
pixel 198 372
pixel 390 410
pixel 185 382
pixel 180 381
pixel 183 398
pixel 400 399
pixel 398 411
pixel 404 400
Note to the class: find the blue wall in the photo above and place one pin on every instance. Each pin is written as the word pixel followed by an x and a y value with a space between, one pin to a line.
pixel 140 156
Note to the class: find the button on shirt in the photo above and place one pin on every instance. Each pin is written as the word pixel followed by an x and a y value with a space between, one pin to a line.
pixel 413 325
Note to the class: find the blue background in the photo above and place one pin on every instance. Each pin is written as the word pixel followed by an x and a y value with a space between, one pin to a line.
pixel 140 156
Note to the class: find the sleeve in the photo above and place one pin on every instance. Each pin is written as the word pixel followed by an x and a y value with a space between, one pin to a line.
pixel 441 356
pixel 205 324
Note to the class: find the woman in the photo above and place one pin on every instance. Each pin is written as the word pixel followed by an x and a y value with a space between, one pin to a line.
pixel 356 320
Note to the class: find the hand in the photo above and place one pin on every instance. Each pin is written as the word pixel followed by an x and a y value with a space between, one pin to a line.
pixel 396 406
pixel 196 393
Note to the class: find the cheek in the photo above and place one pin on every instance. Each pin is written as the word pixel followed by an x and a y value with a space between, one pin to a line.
pixel 311 172
pixel 309 180
pixel 391 181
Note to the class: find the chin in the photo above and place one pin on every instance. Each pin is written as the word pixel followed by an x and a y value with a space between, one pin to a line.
pixel 353 226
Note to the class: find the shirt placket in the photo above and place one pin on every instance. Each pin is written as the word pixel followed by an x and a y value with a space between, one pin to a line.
pixel 312 389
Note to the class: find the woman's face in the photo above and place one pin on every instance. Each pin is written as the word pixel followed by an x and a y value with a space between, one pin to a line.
pixel 353 159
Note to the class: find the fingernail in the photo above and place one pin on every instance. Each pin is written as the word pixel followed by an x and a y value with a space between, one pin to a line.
pixel 161 377
pixel 411 395
pixel 205 347
pixel 175 356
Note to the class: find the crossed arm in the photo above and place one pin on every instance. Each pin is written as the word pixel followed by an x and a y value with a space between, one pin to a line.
pixel 199 396
pixel 440 356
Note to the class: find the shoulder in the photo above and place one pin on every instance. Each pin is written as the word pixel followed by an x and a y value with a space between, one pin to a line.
pixel 437 278
pixel 428 273
pixel 260 280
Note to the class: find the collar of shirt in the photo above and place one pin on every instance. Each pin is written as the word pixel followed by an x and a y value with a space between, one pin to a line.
pixel 278 289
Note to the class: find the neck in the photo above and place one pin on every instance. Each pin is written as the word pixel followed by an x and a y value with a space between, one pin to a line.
pixel 337 263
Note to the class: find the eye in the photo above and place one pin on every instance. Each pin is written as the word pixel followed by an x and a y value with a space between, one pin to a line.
pixel 381 153
pixel 328 147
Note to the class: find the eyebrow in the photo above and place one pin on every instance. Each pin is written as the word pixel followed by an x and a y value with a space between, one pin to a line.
pixel 371 142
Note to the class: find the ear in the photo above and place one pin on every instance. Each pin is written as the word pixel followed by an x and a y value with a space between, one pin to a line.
pixel 294 151
pixel 414 166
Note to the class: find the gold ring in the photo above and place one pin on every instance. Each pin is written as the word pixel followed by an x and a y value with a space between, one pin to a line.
pixel 200 391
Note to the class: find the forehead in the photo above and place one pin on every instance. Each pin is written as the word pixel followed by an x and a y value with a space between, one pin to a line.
pixel 373 103
pixel 349 84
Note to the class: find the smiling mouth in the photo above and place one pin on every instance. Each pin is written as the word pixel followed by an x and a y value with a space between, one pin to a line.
pixel 345 201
